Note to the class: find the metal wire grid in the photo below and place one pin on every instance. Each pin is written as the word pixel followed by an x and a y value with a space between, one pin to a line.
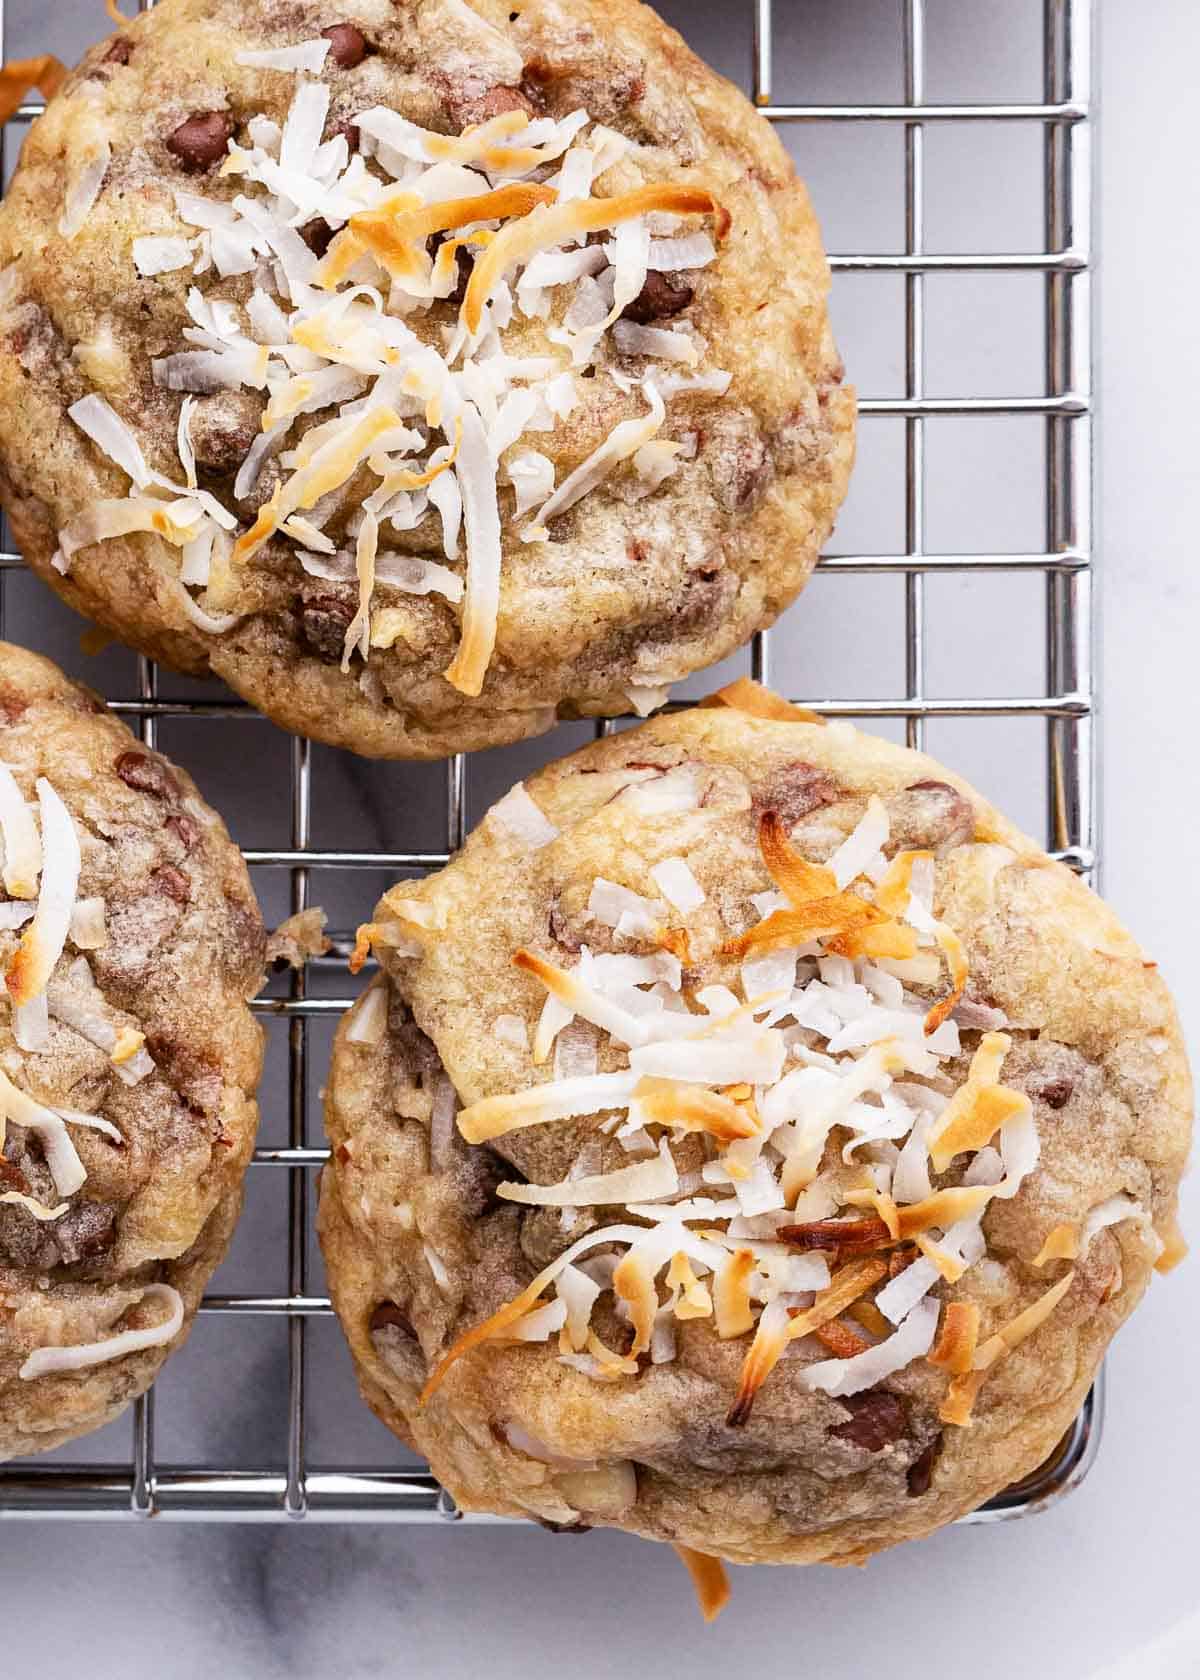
pixel 144 1488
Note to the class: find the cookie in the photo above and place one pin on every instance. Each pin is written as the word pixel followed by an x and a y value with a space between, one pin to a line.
pixel 130 942
pixel 751 1141
pixel 426 371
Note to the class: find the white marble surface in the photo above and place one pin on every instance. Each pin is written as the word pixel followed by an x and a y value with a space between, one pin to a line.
pixel 1102 1588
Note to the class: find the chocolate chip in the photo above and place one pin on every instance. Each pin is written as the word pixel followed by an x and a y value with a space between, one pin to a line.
pixel 388 1315
pixel 200 141
pixel 877 1419
pixel 317 235
pixel 224 425
pixel 347 44
pixel 324 620
pixel 119 52
pixel 344 125
pixel 920 1471
pixel 1055 1093
pixel 468 101
pixel 563 1528
pixel 172 883
pixel 658 299
pixel 144 774
pixel 12 710
pixel 793 791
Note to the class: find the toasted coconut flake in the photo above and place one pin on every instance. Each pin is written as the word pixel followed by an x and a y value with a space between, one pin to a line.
pixel 837 1235
pixel 396 232
pixel 482 145
pixel 979 1108
pixel 943 1208
pixel 476 474
pixel 39 1210
pixel 1062 1243
pixel 633 1284
pixel 624 440
pixel 893 893
pixel 358 631
pixel 775 1331
pixel 44 940
pixel 66 1169
pixel 960 1397
pixel 690 1108
pixel 949 1266
pixel 529 1297
pixel 958 1338
pixel 802 882
pixel 549 226
pixel 46 73
pixel 912 1339
pixel 957 958
pixel 643 1181
pixel 746 695
pixel 693 1298
pixel 45 1361
pixel 582 1000
pixel 565 1099
pixel 731 1295
pixel 22 845
pixel 709 1579
pixel 841 1341
pixel 869 1316
pixel 1175 1247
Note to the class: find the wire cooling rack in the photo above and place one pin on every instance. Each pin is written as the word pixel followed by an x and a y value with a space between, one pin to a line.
pixel 259 1465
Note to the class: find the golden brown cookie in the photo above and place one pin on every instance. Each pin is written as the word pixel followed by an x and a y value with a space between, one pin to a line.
pixel 130 943
pixel 752 1141
pixel 426 371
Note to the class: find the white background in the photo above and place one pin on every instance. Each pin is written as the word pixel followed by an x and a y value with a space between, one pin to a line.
pixel 1104 1585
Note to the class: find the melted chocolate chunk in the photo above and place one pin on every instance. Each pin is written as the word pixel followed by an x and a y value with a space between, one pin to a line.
pixel 324 621
pixel 347 44
pixel 877 1419
pixel 388 1315
pixel 658 299
pixel 317 235
pixel 793 791
pixel 146 774
pixel 120 51
pixel 200 141
pixel 929 815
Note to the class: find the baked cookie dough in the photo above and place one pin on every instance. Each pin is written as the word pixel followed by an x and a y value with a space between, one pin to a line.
pixel 427 371
pixel 130 943
pixel 751 1140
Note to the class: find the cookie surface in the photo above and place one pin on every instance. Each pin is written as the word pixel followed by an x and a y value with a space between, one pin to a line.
pixel 551 483
pixel 130 941
pixel 916 1099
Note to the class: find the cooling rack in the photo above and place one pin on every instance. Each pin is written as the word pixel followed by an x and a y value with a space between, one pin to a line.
pixel 264 1466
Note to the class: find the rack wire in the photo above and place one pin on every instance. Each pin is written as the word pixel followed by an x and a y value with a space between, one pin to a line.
pixel 290 1486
